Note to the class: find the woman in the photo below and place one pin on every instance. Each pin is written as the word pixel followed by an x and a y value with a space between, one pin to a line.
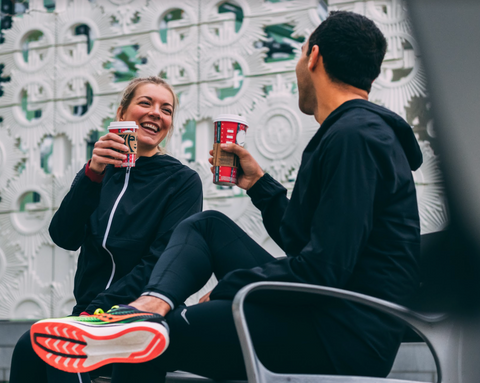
pixel 121 218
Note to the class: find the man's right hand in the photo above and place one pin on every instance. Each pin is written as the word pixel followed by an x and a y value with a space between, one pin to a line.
pixel 249 171
pixel 103 153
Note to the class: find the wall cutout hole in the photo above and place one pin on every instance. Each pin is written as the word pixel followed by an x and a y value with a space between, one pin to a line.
pixel 172 28
pixel 46 151
pixel 30 100
pixel 2 79
pixel 188 140
pixel 77 96
pixel 280 43
pixel 228 77
pixel 49 5
pixel 236 13
pixel 33 47
pixel 125 61
pixel 83 35
pixel 30 201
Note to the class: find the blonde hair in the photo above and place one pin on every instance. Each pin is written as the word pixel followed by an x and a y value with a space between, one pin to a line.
pixel 129 92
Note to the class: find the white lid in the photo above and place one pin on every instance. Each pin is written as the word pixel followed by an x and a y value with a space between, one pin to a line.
pixel 231 117
pixel 123 125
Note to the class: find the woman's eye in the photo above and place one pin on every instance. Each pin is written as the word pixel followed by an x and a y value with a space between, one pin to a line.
pixel 167 111
pixel 144 103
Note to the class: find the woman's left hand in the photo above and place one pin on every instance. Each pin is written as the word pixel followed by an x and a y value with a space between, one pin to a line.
pixel 205 298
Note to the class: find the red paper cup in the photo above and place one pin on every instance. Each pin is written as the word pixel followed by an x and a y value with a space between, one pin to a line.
pixel 128 131
pixel 229 128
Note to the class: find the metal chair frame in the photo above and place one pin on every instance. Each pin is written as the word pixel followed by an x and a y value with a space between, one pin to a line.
pixel 441 332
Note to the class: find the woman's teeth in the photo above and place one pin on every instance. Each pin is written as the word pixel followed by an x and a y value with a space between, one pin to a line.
pixel 150 127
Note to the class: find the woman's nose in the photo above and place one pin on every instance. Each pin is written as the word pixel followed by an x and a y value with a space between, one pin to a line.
pixel 155 112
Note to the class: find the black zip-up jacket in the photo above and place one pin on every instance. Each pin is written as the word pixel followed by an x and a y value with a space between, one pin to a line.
pixel 122 225
pixel 352 223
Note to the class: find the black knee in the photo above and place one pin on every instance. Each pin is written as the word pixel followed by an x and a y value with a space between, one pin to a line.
pixel 24 345
pixel 205 217
pixel 26 365
pixel 208 214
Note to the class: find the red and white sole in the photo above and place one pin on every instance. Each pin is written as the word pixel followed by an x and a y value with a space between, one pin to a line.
pixel 80 347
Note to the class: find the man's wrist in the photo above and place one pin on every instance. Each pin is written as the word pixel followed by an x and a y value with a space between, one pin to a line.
pixel 260 174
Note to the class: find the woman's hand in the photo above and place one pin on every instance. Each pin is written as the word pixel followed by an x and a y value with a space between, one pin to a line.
pixel 104 153
pixel 205 298
pixel 249 171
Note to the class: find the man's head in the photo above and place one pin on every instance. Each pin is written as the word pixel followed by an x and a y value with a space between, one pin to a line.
pixel 352 49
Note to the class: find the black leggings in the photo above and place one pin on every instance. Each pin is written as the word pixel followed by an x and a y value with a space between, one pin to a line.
pixel 28 367
pixel 203 339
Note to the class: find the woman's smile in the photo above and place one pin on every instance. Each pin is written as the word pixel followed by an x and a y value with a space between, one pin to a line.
pixel 150 127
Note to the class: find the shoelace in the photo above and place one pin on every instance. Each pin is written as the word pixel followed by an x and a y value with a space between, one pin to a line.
pixel 99 311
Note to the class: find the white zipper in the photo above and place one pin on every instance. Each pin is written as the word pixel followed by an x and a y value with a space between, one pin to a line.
pixel 110 219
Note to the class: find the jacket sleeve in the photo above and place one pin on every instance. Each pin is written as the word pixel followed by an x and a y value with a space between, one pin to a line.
pixel 184 203
pixel 340 227
pixel 270 197
pixel 69 224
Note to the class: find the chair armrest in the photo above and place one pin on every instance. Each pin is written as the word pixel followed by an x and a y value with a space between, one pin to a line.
pixel 256 372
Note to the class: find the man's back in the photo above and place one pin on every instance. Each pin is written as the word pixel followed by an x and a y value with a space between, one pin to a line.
pixel 355 188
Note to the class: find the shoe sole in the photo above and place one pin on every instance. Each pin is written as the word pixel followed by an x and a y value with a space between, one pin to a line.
pixel 79 347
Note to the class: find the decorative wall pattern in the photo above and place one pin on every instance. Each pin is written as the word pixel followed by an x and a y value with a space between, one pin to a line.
pixel 67 66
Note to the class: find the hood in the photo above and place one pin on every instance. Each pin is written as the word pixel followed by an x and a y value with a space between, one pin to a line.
pixel 151 166
pixel 402 130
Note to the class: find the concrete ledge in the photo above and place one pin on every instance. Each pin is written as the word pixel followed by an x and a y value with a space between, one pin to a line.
pixel 414 360
pixel 185 377
pixel 10 332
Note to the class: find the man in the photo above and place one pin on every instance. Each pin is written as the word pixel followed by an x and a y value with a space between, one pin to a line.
pixel 352 223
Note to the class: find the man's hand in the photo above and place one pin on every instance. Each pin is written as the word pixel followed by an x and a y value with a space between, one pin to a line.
pixel 104 153
pixel 205 298
pixel 249 171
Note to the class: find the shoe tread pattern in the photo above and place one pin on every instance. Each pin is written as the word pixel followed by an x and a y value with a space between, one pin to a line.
pixel 81 347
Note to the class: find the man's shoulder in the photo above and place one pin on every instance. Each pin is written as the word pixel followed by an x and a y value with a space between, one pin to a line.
pixel 362 124
pixel 356 117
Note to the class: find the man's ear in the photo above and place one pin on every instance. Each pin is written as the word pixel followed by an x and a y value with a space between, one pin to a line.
pixel 314 58
pixel 119 116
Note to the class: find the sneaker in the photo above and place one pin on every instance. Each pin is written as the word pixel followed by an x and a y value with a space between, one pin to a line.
pixel 85 343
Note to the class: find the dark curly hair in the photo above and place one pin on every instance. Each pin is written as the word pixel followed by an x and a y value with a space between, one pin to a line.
pixel 352 48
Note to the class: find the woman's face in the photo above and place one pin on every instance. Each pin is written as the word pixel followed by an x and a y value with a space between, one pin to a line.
pixel 152 110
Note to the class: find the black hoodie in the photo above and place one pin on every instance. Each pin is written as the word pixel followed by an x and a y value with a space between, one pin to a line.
pixel 352 223
pixel 122 224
